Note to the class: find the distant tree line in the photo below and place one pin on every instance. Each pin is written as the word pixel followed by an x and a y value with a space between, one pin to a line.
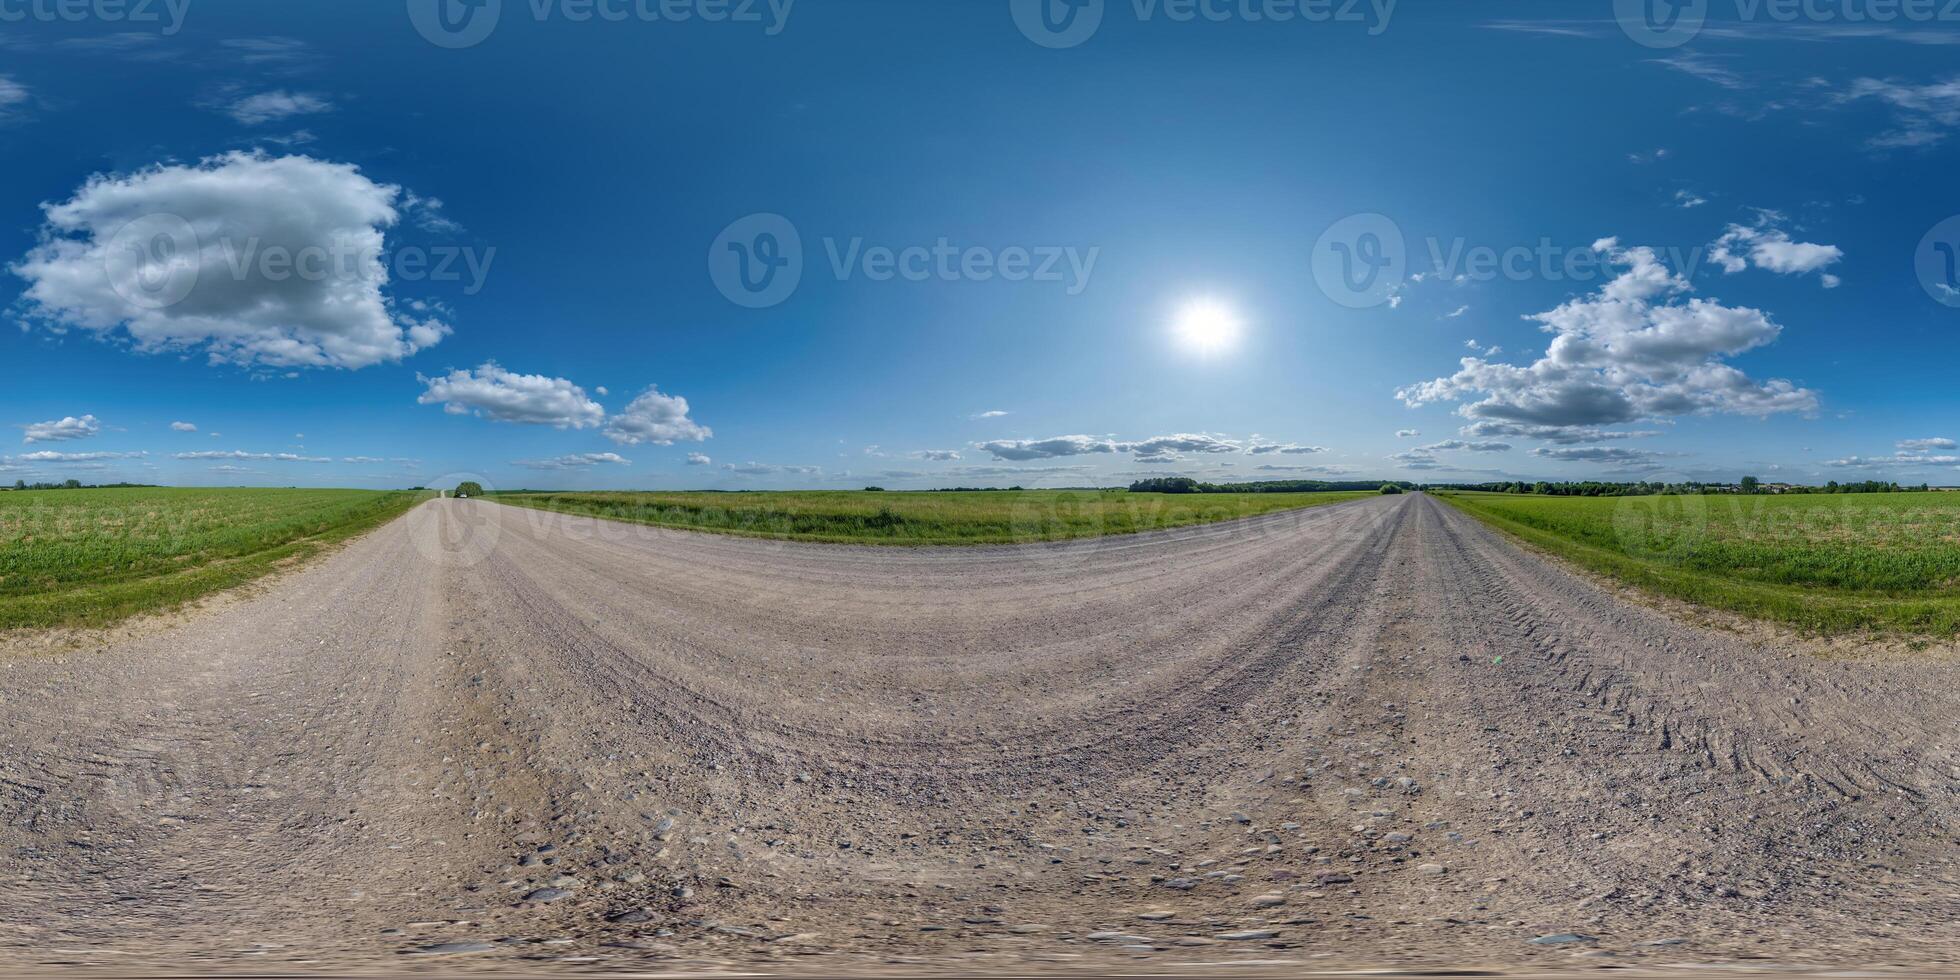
pixel 74 485
pixel 1749 485
pixel 1185 484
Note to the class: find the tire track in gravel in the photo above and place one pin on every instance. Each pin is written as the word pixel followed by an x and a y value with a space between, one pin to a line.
pixel 1373 734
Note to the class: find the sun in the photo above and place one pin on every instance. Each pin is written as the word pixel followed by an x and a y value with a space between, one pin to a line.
pixel 1207 327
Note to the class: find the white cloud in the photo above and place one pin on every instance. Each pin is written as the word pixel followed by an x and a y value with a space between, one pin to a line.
pixel 427 212
pixel 529 399
pixel 1274 468
pixel 298 137
pixel 987 415
pixel 62 430
pixel 265 107
pixel 183 427
pixel 699 459
pixel 1452 445
pixel 1157 449
pixel 1900 460
pixel 1628 352
pixel 940 455
pixel 655 418
pixel 1688 199
pixel 1459 311
pixel 1911 453
pixel 209 454
pixel 1705 68
pixel 283 53
pixel 1595 454
pixel 1285 448
pixel 201 274
pixel 575 461
pixel 770 469
pixel 1168 447
pixel 13 97
pixel 1551 433
pixel 46 456
pixel 1924 113
pixel 1407 433
pixel 1017 450
pixel 1769 247
pixel 1412 460
pixel 1424 457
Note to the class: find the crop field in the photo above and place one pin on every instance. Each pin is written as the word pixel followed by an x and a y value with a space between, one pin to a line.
pixel 953 517
pixel 1826 562
pixel 83 557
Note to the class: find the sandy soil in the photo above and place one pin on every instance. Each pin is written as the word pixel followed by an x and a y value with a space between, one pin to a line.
pixel 1369 735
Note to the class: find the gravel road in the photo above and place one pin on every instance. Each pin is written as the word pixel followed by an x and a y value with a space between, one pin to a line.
pixel 1366 735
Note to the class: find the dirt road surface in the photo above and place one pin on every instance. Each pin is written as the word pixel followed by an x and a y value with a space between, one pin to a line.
pixel 1367 735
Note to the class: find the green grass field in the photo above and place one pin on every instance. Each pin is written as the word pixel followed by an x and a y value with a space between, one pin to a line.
pixel 1822 562
pixel 89 557
pixel 896 518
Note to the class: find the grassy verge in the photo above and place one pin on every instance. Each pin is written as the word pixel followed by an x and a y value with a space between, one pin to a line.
pixel 941 518
pixel 1821 563
pixel 92 557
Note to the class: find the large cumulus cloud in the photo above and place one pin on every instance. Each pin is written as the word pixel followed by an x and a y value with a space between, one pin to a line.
pixel 1634 350
pixel 176 256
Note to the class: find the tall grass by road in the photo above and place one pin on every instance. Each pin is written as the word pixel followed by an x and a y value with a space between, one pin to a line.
pixel 89 557
pixel 937 518
pixel 1822 562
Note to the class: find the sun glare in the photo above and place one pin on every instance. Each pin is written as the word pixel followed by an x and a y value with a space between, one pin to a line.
pixel 1207 327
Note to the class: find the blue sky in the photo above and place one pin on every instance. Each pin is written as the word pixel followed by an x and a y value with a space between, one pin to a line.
pixel 1152 244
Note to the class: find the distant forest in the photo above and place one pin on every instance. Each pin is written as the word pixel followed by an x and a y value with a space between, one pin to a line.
pixel 71 485
pixel 1748 485
pixel 1184 484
